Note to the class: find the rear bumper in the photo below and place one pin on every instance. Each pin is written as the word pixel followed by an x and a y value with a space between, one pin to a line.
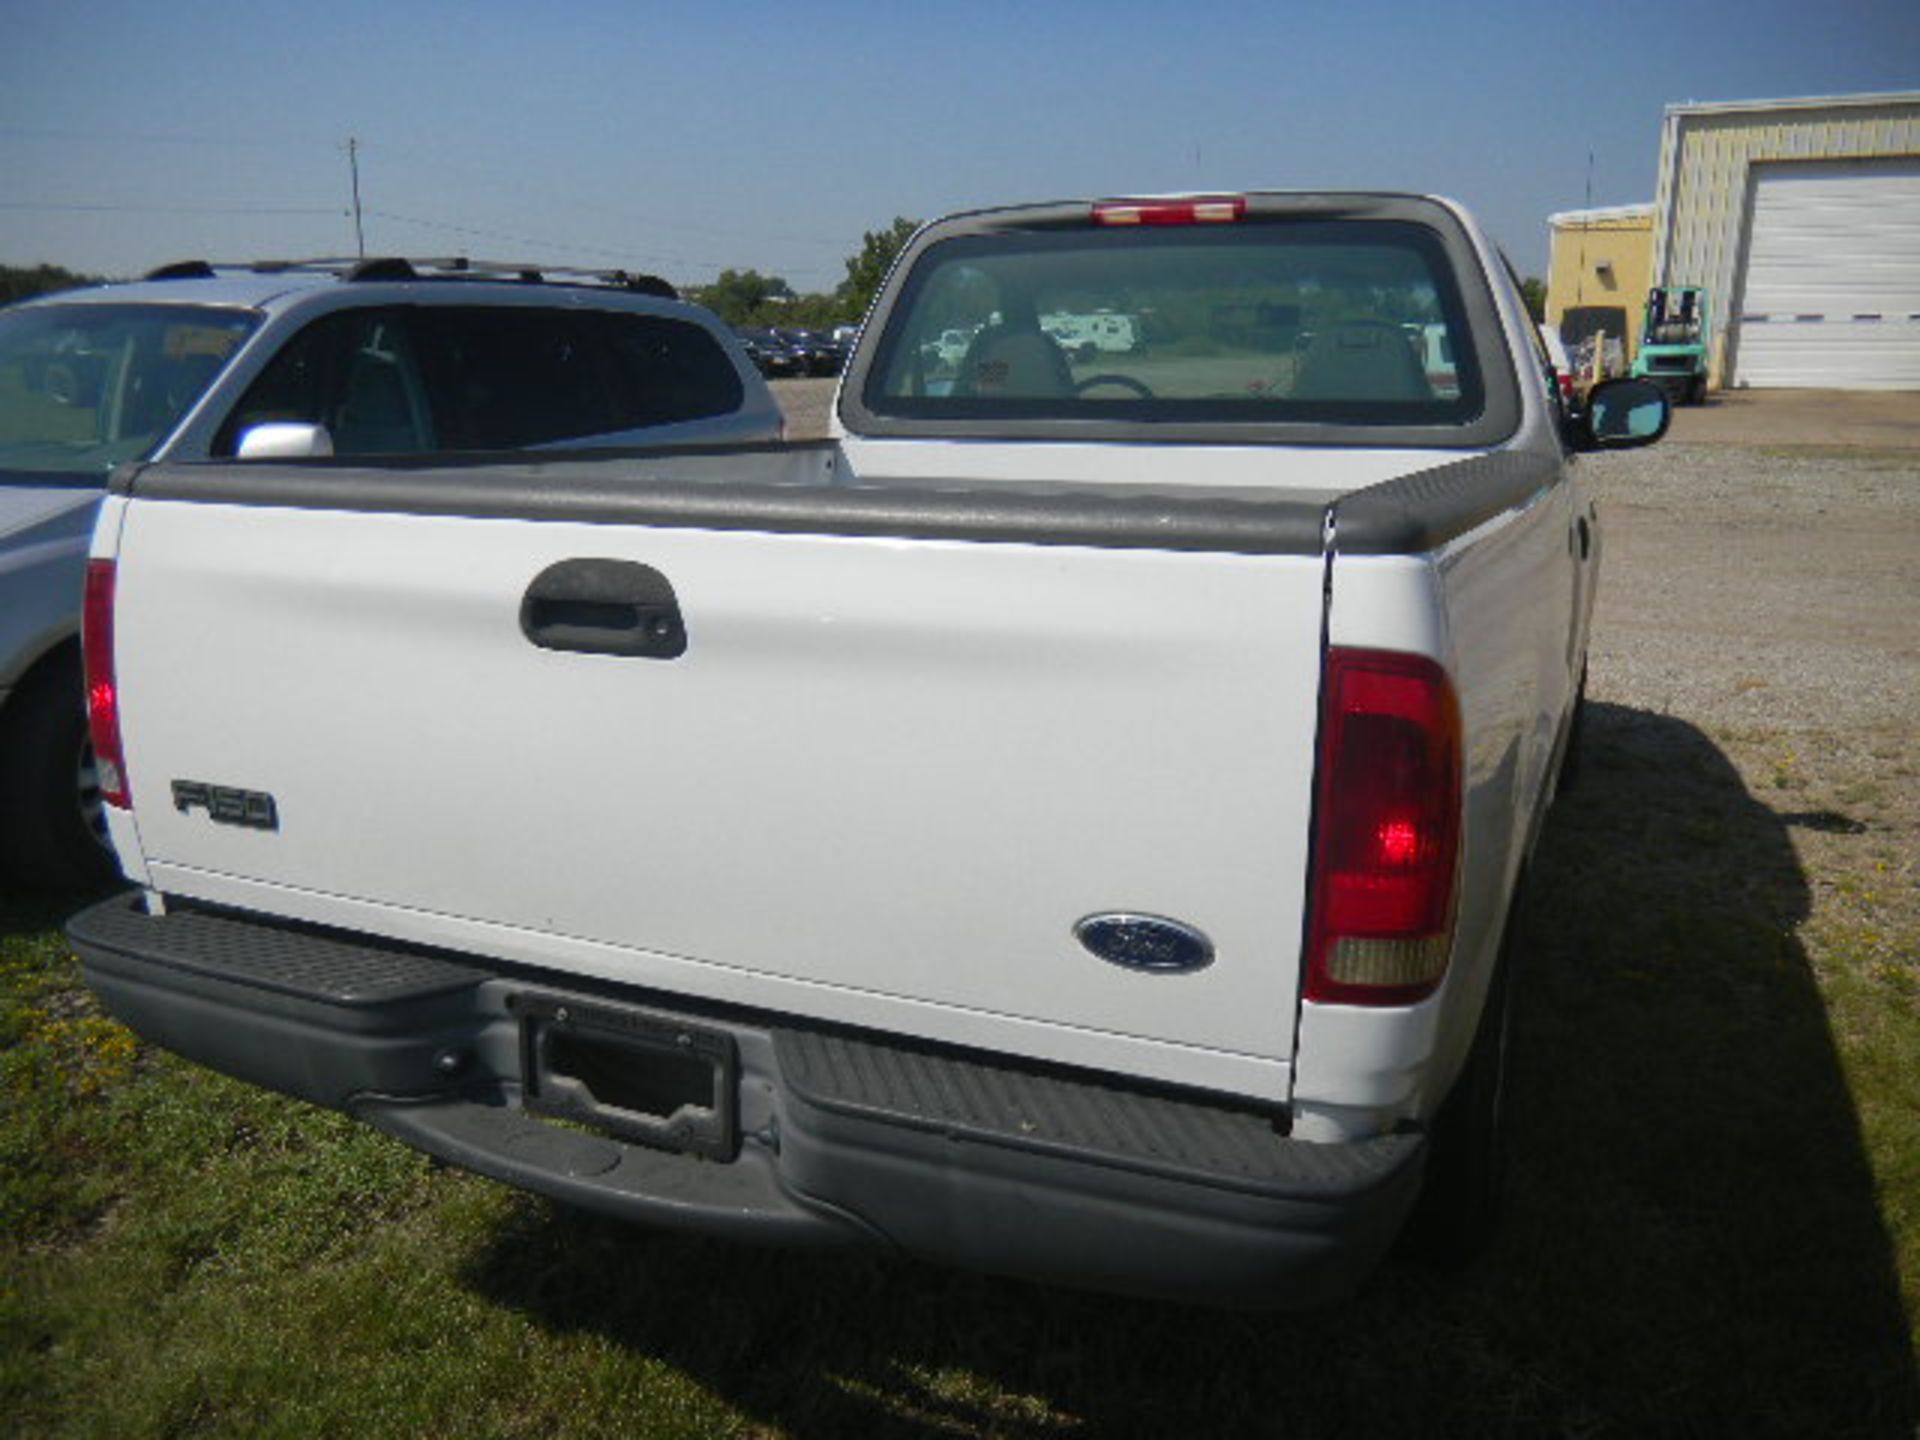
pixel 838 1138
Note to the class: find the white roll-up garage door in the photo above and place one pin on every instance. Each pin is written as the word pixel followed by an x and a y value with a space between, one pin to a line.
pixel 1832 295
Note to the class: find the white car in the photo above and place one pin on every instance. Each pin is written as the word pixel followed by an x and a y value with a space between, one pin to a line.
pixel 375 359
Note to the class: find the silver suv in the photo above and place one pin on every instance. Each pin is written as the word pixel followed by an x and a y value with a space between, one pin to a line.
pixel 313 358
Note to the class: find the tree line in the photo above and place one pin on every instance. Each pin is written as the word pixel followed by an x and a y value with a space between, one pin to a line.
pixel 18 282
pixel 746 297
pixel 740 297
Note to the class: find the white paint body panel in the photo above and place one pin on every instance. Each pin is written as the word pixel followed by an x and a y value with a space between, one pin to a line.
pixel 1316 471
pixel 886 779
pixel 1506 609
pixel 888 775
pixel 1502 610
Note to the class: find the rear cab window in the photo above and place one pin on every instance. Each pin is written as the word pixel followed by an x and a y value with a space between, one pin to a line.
pixel 1295 322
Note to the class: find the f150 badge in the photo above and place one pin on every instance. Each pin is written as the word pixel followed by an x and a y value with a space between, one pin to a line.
pixel 225 805
pixel 1145 942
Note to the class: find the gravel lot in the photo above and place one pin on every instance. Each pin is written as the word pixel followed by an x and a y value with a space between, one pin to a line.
pixel 1770 597
pixel 1746 587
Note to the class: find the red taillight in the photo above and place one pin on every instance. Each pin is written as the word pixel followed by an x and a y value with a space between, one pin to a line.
pixel 103 700
pixel 1386 830
pixel 1195 210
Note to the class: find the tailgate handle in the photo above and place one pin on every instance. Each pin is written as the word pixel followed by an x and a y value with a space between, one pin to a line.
pixel 604 607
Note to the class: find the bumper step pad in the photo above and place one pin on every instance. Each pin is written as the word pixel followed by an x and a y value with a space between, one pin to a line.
pixel 960 1157
pixel 282 958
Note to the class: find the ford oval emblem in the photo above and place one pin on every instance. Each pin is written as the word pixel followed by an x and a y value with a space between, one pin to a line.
pixel 1146 942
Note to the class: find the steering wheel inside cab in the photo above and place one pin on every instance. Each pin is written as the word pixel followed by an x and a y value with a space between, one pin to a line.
pixel 1124 382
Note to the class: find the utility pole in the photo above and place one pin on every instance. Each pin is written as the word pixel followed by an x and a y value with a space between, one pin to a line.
pixel 1580 280
pixel 353 164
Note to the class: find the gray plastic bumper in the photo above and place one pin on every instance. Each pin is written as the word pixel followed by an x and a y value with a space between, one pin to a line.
pixel 832 1137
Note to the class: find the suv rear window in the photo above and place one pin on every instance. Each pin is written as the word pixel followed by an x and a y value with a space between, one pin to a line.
pixel 418 379
pixel 1347 323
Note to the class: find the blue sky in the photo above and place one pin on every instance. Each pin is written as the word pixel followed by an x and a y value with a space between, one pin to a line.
pixel 687 138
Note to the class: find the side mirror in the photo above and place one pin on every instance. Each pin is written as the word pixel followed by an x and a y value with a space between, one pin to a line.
pixel 285 440
pixel 1622 415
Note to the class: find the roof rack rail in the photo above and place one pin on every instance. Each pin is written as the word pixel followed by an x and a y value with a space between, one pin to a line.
pixel 533 273
pixel 181 270
pixel 387 267
pixel 447 267
pixel 326 264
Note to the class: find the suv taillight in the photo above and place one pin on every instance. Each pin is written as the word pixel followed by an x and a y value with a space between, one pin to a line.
pixel 1386 830
pixel 103 700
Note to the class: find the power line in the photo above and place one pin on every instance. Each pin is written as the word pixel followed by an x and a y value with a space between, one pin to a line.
pixel 562 246
pixel 438 163
pixel 135 137
pixel 441 164
pixel 558 246
pixel 525 240
pixel 92 209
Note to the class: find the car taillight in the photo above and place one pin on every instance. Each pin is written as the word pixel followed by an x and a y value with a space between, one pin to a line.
pixel 1386 830
pixel 1194 210
pixel 103 700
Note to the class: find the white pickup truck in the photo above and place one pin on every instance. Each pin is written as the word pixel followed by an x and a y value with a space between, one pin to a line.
pixel 1066 823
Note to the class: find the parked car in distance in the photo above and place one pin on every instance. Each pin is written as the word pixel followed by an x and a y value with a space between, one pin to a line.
pixel 291 360
pixel 822 354
pixel 769 350
pixel 1085 336
pixel 1435 348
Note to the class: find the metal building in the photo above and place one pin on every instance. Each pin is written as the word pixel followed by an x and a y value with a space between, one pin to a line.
pixel 1598 267
pixel 1802 217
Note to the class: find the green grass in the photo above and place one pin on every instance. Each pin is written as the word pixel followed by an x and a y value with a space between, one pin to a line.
pixel 1713 1225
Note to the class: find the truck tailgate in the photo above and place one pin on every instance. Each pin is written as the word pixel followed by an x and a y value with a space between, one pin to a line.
pixel 885 779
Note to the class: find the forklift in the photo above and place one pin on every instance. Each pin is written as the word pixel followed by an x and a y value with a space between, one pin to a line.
pixel 1673 342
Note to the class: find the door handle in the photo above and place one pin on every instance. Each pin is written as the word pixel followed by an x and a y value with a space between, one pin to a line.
pixel 604 607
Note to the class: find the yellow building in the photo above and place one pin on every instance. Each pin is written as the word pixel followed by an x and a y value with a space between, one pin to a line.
pixel 1602 258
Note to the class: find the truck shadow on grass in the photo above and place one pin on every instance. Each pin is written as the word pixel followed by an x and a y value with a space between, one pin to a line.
pixel 1691 1244
pixel 38 912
